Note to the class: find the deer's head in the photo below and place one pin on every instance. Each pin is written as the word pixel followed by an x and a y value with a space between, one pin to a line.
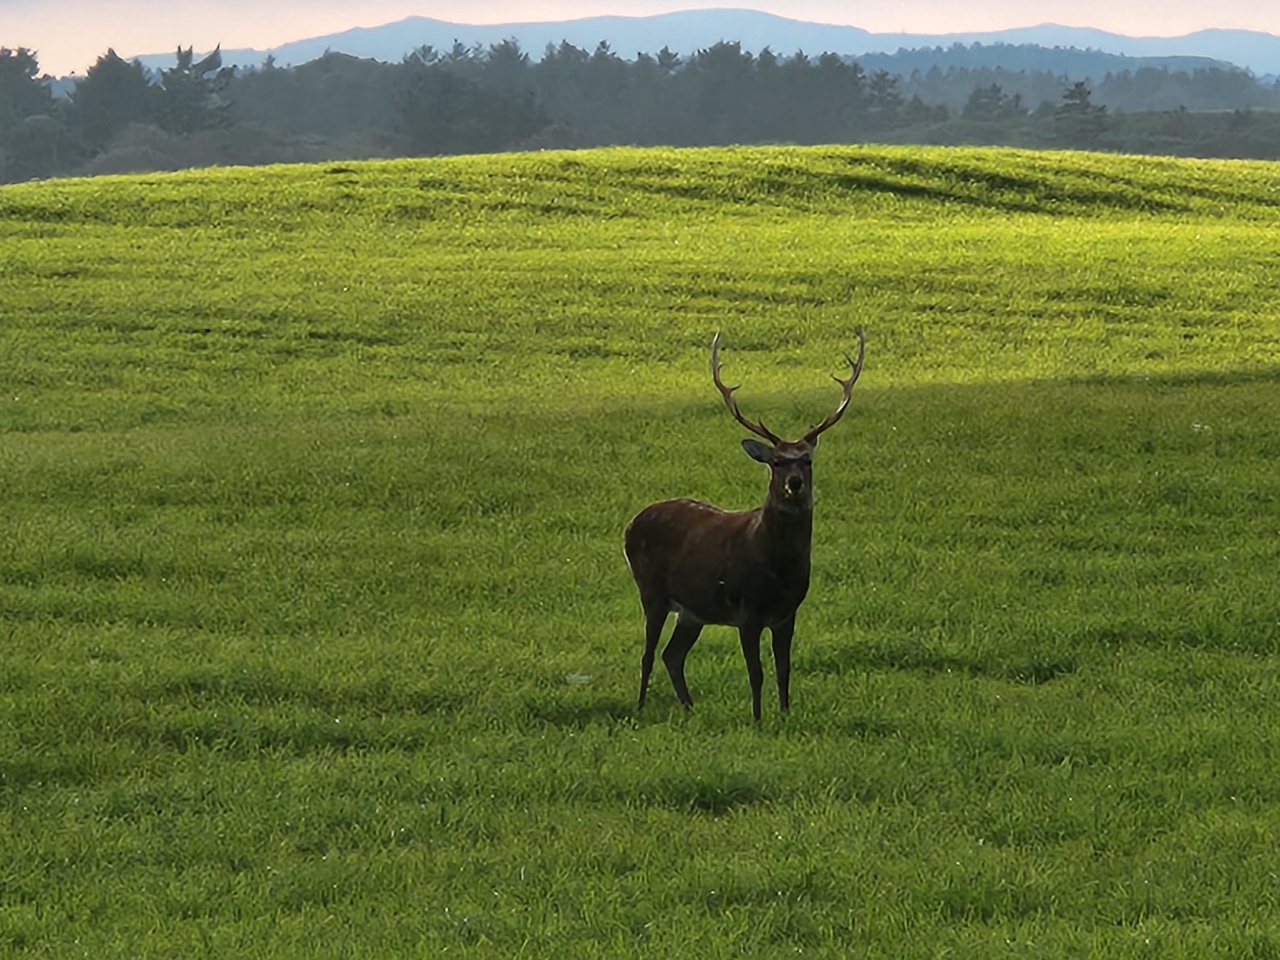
pixel 790 462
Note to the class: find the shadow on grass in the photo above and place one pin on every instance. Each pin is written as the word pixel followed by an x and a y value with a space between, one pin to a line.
pixel 63 769
pixel 857 728
pixel 252 733
pixel 257 687
pixel 714 793
pixel 916 658
pixel 581 713
pixel 1189 378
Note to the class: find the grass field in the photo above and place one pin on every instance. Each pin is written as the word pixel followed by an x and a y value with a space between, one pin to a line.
pixel 317 639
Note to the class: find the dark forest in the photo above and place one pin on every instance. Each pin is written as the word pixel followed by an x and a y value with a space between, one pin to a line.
pixel 121 117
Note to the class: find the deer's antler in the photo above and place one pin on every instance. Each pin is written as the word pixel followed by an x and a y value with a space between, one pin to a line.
pixel 758 428
pixel 812 435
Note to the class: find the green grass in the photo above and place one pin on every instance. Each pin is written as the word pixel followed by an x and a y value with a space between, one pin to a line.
pixel 317 637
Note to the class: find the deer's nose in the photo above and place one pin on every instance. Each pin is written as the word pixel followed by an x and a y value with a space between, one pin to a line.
pixel 795 484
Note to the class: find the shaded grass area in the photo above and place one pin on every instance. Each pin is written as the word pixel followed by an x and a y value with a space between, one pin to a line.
pixel 1030 692
pixel 318 639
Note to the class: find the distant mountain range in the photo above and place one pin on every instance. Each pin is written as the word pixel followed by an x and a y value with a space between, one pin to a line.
pixel 687 31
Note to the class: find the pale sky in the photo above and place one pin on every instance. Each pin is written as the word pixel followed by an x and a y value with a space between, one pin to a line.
pixel 69 35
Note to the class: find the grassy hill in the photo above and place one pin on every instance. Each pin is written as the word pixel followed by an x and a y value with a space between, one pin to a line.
pixel 317 636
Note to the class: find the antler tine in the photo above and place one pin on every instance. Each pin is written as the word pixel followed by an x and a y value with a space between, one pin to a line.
pixel 812 435
pixel 758 428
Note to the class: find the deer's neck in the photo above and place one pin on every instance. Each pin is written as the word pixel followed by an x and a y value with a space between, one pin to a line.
pixel 787 530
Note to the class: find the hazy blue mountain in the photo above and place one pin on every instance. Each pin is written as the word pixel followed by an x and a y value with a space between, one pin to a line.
pixel 687 31
pixel 1031 58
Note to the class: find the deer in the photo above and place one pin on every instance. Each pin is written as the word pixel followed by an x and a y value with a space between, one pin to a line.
pixel 746 569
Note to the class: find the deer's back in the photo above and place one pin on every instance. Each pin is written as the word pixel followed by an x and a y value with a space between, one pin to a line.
pixel 676 531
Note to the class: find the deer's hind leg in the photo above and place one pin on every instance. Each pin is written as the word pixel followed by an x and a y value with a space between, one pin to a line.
pixel 683 637
pixel 655 618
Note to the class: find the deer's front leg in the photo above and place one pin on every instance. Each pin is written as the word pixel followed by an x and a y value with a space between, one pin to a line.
pixel 782 634
pixel 749 634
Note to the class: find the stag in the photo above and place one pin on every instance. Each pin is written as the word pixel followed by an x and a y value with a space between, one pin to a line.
pixel 746 569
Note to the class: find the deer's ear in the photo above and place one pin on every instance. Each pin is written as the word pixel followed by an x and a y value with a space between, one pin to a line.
pixel 757 450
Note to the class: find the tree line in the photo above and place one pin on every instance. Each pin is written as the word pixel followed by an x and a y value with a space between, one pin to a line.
pixel 121 116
